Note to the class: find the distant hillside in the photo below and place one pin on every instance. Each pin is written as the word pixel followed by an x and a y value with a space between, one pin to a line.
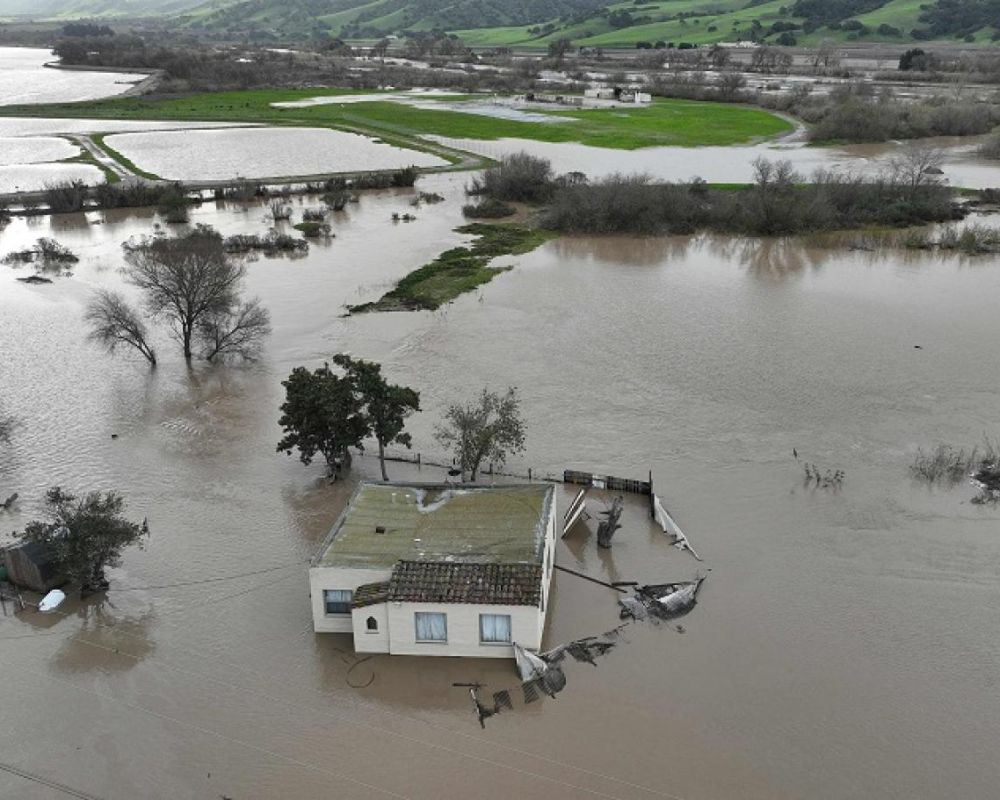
pixel 67 9
pixel 535 23
pixel 373 18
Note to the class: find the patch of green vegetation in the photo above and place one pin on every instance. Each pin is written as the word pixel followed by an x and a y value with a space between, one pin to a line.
pixel 685 123
pixel 458 270
pixel 86 157
pixel 98 139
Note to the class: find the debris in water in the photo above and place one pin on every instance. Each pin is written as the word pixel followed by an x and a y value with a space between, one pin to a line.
pixel 662 601
pixel 34 279
pixel 606 529
pixel 665 521
pixel 529 666
pixel 577 510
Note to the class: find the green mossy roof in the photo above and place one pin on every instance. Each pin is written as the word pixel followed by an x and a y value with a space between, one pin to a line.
pixel 502 524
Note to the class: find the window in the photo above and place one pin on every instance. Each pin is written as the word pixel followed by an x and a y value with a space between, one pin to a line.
pixel 494 628
pixel 431 627
pixel 337 601
pixel 372 625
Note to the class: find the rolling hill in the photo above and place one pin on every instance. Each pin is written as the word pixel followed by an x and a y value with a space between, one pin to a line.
pixel 536 23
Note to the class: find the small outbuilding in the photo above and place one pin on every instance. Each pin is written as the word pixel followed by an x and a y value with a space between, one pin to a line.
pixel 432 569
pixel 32 566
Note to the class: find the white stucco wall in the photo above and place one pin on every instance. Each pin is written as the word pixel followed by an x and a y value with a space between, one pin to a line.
pixel 463 630
pixel 321 578
pixel 366 641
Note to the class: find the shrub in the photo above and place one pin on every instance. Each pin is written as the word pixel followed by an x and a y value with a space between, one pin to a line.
pixel 519 178
pixel 488 208
pixel 51 252
pixel 314 215
pixel 279 212
pixel 66 196
pixel 269 244
pixel 991 147
pixel 313 230
pixel 173 205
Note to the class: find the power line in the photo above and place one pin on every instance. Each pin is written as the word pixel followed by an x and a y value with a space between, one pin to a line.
pixel 59 787
pixel 207 580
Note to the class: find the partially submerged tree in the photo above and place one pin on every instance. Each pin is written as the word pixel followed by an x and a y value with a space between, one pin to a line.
pixel 6 428
pixel 487 428
pixel 323 414
pixel 193 283
pixel 386 405
pixel 114 323
pixel 236 332
pixel 86 535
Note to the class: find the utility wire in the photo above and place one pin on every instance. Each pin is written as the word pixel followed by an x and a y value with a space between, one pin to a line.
pixel 59 787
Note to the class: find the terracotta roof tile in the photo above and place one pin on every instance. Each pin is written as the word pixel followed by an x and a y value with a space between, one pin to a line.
pixel 455 582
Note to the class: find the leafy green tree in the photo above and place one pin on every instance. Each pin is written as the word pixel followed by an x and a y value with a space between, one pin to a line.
pixel 386 405
pixel 489 427
pixel 322 413
pixel 86 535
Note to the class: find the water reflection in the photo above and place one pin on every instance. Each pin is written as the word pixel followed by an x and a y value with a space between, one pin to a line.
pixel 106 642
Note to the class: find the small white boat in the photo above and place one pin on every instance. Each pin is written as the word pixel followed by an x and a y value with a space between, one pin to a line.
pixel 52 600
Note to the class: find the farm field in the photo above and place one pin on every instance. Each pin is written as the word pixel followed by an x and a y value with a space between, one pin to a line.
pixel 665 122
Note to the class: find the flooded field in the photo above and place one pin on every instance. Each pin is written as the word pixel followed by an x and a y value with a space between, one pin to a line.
pixel 734 164
pixel 34 177
pixel 844 644
pixel 24 78
pixel 261 153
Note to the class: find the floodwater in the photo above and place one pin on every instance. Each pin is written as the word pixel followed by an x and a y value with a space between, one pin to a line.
pixel 24 78
pixel 845 641
pixel 962 166
pixel 261 153
pixel 34 177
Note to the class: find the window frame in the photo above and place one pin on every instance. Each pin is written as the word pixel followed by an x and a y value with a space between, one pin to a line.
pixel 497 643
pixel 416 628
pixel 326 603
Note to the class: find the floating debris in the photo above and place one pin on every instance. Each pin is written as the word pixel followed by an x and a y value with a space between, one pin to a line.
pixel 529 666
pixel 577 510
pixel 606 529
pixel 662 601
pixel 671 528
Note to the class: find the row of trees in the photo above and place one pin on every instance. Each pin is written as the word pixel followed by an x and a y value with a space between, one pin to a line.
pixel 192 285
pixel 328 412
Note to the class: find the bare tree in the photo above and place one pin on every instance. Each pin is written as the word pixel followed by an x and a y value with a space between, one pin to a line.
pixel 730 83
pixel 916 166
pixel 186 279
pixel 720 56
pixel 488 427
pixel 113 322
pixel 237 332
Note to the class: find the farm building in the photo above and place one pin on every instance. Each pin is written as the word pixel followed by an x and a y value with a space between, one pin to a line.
pixel 31 566
pixel 431 569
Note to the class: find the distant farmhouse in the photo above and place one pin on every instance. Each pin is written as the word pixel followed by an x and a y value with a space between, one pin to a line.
pixel 438 569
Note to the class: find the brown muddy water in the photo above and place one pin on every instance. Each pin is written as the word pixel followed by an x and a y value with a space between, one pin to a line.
pixel 845 643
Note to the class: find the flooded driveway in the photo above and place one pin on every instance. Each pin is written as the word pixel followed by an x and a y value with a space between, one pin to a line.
pixel 844 643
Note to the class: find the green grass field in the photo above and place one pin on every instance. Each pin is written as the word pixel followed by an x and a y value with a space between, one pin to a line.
pixel 698 22
pixel 685 123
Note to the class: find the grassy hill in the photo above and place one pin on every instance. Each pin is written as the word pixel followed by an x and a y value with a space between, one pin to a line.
pixel 595 23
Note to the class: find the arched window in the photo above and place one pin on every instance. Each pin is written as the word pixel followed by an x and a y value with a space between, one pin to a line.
pixel 372 624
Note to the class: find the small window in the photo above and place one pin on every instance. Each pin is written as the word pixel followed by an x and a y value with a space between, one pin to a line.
pixel 494 628
pixel 338 601
pixel 431 627
pixel 372 625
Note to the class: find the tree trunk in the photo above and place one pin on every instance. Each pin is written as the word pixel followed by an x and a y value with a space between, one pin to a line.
pixel 186 333
pixel 381 460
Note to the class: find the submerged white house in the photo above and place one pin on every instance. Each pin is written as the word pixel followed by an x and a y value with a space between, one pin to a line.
pixel 438 570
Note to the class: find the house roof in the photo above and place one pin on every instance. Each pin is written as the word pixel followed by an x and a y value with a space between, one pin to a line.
pixel 386 523
pixel 370 594
pixel 450 582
